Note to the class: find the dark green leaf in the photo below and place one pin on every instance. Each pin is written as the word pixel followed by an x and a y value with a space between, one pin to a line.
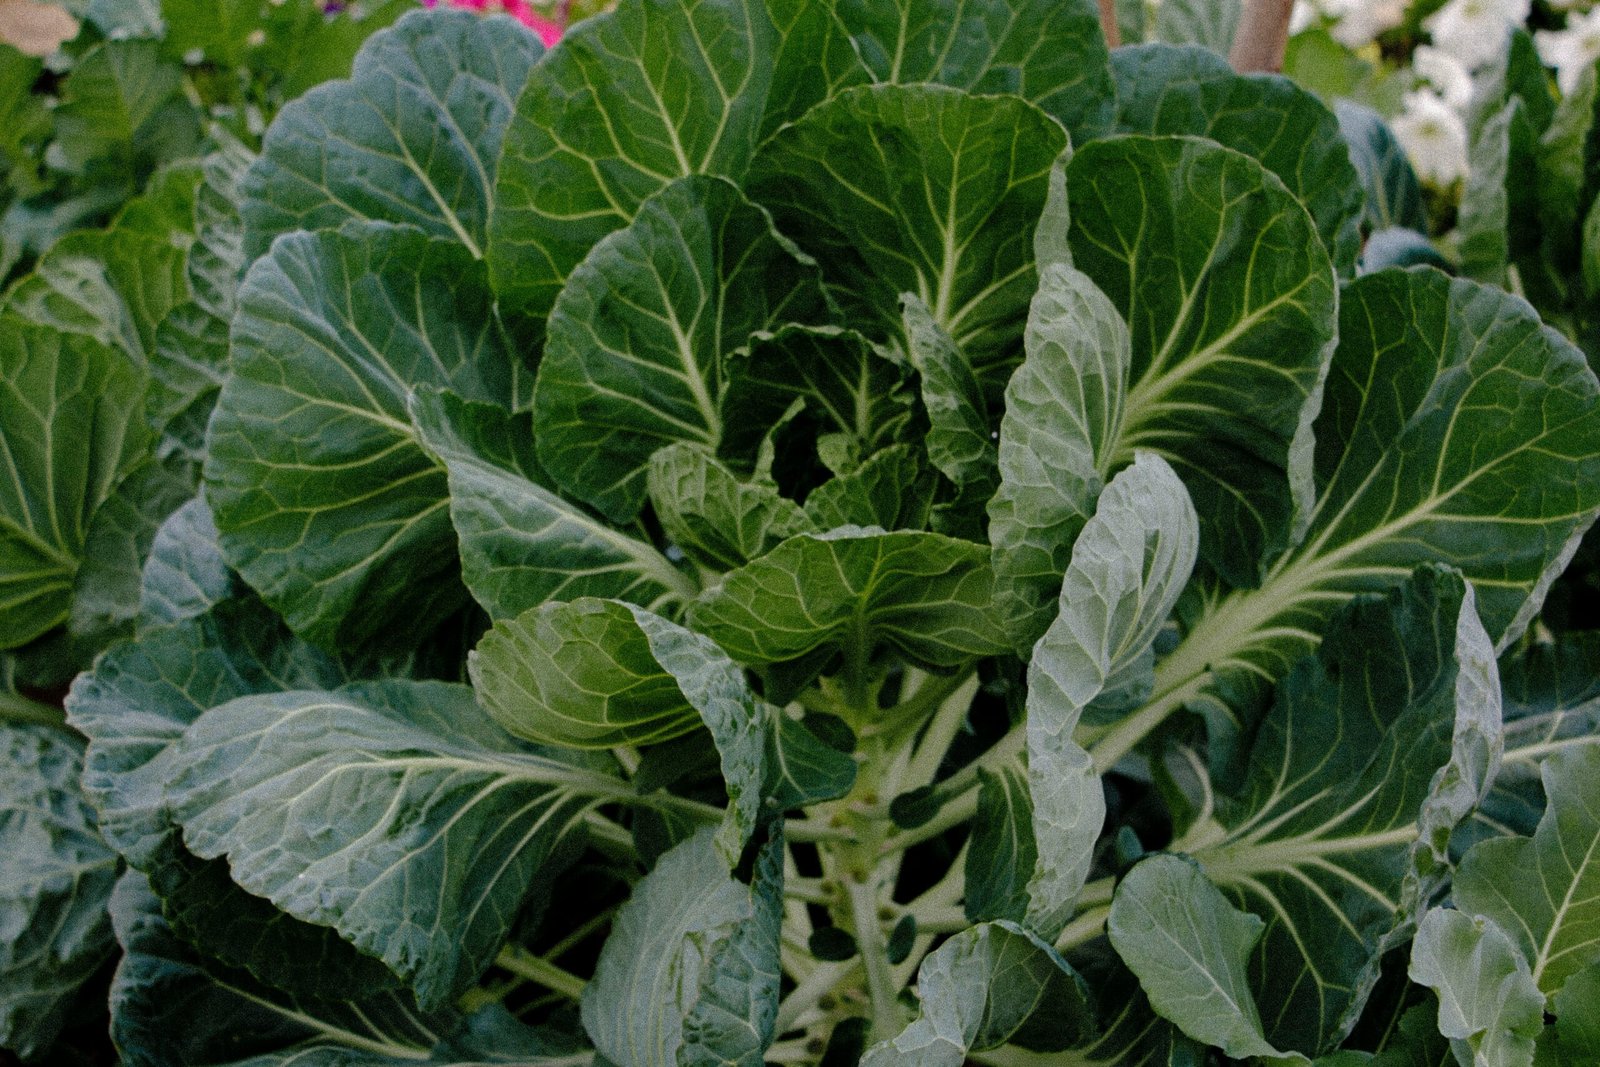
pixel 894 490
pixel 719 521
pixel 1498 227
pixel 187 369
pixel 1001 854
pixel 1394 196
pixel 959 441
pixel 1575 1038
pixel 124 103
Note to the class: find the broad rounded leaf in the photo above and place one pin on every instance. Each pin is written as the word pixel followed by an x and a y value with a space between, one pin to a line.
pixel 641 337
pixel 920 189
pixel 1486 996
pixel 631 100
pixel 327 504
pixel 1227 292
pixel 412 137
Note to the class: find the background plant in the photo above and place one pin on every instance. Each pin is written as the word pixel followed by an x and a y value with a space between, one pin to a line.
pixel 801 533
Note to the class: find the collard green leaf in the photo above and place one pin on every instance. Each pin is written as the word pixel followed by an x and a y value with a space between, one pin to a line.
pixel 1498 226
pixel 1416 1041
pixel 1207 23
pixel 1190 948
pixel 396 812
pixel 846 595
pixel 1001 854
pixel 992 985
pixel 919 189
pixel 1394 196
pixel 217 258
pixel 1128 566
pixel 1400 247
pixel 1544 891
pixel 1487 1000
pixel 174 1007
pixel 218 30
pixel 187 369
pixel 959 441
pixel 893 490
pixel 1377 747
pixel 690 972
pixel 641 337
pixel 1147 208
pixel 184 574
pixel 327 504
pixel 521 543
pixel 718 520
pixel 633 99
pixel 72 427
pixel 54 933
pixel 123 102
pixel 1569 172
pixel 1443 393
pixel 1575 1037
pixel 1063 410
pixel 1161 89
pixel 412 137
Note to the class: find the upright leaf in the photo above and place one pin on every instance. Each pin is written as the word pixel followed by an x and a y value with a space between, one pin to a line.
pixel 184 573
pixel 1128 566
pixel 919 189
pixel 1146 209
pixel 124 103
pixel 1207 23
pixel 992 985
pixel 327 503
pixel 54 934
pixel 1489 1007
pixel 633 99
pixel 718 520
pixel 894 490
pixel 1544 891
pixel 72 427
pixel 690 972
pixel 959 442
pixel 411 137
pixel 1394 196
pixel 641 337
pixel 442 820
pixel 1498 228
pixel 217 258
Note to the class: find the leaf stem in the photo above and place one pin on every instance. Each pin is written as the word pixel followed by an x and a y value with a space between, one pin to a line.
pixel 887 1019
pixel 524 964
pixel 805 995
pixel 14 707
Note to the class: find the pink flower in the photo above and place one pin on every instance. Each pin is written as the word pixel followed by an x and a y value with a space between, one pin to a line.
pixel 549 30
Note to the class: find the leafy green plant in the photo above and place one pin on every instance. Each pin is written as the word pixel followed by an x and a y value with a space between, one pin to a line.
pixel 793 532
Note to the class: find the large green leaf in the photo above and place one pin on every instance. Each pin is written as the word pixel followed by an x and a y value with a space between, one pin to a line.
pixel 992 985
pixel 187 368
pixel 1227 292
pixel 919 189
pixel 412 137
pixel 718 520
pixel 326 502
pixel 844 596
pixel 123 105
pixel 54 934
pixel 1161 89
pixel 1498 226
pixel 174 1007
pixel 894 489
pixel 650 92
pixel 73 426
pixel 1544 891
pixel 1128 566
pixel 442 819
pixel 1489 1006
pixel 1443 394
pixel 1190 948
pixel 1376 748
pixel 1063 410
pixel 641 337
pixel 1394 196
pixel 521 543
pixel 690 973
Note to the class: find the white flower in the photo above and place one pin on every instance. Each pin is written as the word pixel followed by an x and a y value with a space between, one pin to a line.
pixel 1475 31
pixel 1445 74
pixel 1302 17
pixel 1359 21
pixel 1434 138
pixel 1571 50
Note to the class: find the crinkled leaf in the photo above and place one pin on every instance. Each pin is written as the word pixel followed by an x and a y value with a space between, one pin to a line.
pixel 919 189
pixel 184 574
pixel 1394 196
pixel 992 985
pixel 187 369
pixel 396 812
pixel 641 337
pixel 1207 23
pixel 959 441
pixel 1377 747
pixel 327 504
pixel 1575 1038
pixel 633 99
pixel 850 593
pixel 1487 1000
pixel 1227 292
pixel 1190 948
pixel 690 973
pixel 521 543
pixel 718 520
pixel 1128 566
pixel 217 258
pixel 72 427
pixel 894 490
pixel 1161 89
pixel 1544 891
pixel 54 933
pixel 1063 410
pixel 411 137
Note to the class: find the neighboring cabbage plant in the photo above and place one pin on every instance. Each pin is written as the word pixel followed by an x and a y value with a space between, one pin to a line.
pixel 780 531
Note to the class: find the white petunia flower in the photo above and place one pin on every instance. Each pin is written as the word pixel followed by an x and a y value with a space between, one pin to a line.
pixel 1359 21
pixel 1571 50
pixel 1475 31
pixel 1434 137
pixel 1445 74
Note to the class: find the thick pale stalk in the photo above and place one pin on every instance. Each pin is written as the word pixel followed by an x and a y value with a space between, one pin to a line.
pixel 1263 33
pixel 1108 22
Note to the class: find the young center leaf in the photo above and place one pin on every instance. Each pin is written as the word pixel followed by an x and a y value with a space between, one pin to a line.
pixel 411 137
pixel 718 520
